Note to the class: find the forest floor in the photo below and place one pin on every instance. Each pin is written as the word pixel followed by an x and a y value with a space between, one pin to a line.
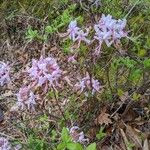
pixel 117 118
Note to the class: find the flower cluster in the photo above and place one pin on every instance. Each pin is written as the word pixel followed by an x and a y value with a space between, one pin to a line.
pixel 109 30
pixel 77 34
pixel 4 73
pixel 25 98
pixel 78 136
pixel 4 144
pixel 45 71
pixel 88 83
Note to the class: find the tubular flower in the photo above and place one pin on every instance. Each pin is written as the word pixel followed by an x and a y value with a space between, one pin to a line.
pixel 88 83
pixel 76 34
pixel 77 136
pixel 81 36
pixel 73 29
pixel 26 98
pixel 45 71
pixel 109 30
pixel 4 73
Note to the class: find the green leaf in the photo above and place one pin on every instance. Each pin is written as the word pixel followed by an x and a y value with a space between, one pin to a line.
pixel 74 146
pixel 146 63
pixel 101 134
pixel 48 29
pixel 135 75
pixel 65 135
pixel 61 146
pixel 141 52
pixel 120 92
pixel 91 147
pixel 136 96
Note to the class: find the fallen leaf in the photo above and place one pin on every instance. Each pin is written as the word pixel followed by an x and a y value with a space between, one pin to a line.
pixel 124 138
pixel 132 134
pixel 103 118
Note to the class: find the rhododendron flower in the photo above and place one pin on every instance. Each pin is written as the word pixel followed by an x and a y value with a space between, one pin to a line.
pixel 109 30
pixel 77 136
pixel 45 71
pixel 26 98
pixel 4 73
pixel 81 36
pixel 88 83
pixel 73 29
pixel 76 34
pixel 4 144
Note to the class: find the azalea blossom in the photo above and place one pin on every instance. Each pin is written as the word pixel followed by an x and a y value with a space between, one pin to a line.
pixel 82 36
pixel 45 71
pixel 4 144
pixel 26 98
pixel 109 30
pixel 73 29
pixel 77 136
pixel 88 83
pixel 76 34
pixel 4 73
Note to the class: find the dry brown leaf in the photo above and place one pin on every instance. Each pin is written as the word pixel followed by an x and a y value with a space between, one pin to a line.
pixel 132 134
pixel 103 118
pixel 124 138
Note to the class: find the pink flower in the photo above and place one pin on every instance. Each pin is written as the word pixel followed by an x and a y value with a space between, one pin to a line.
pixel 45 71
pixel 4 73
pixel 77 136
pixel 26 98
pixel 87 83
pixel 73 29
pixel 31 101
pixel 109 30
pixel 76 34
pixel 4 144
pixel 81 36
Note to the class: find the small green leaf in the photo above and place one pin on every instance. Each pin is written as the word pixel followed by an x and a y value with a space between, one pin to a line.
pixel 48 29
pixel 101 134
pixel 65 135
pixel 61 146
pixel 91 147
pixel 74 146
pixel 141 52
pixel 136 96
pixel 120 92
pixel 146 63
